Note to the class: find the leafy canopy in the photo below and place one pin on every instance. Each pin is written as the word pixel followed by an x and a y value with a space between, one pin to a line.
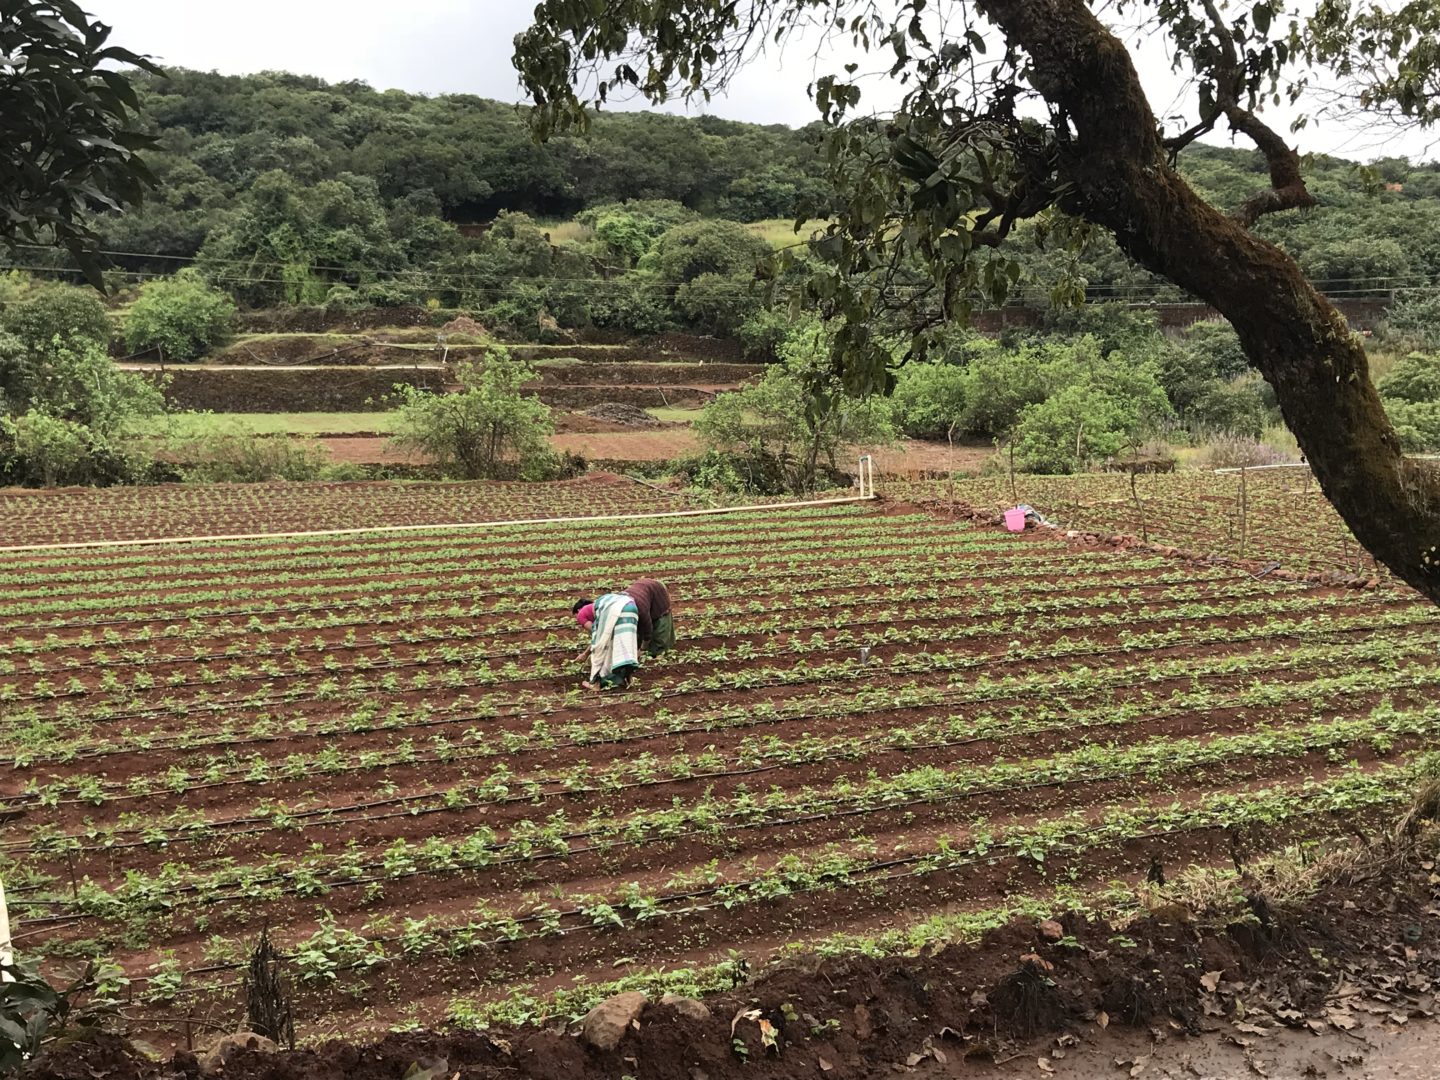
pixel 179 317
pixel 68 144
pixel 926 197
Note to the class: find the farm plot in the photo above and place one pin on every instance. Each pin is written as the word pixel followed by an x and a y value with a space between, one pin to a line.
pixel 376 748
pixel 180 510
pixel 1270 516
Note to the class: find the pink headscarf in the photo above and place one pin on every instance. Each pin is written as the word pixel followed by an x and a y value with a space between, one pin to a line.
pixel 585 614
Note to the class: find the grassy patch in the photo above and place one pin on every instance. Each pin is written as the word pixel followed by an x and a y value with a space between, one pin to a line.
pixel 675 416
pixel 780 232
pixel 189 425
pixel 565 233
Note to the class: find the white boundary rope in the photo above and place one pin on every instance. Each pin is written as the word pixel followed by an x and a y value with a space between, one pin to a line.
pixel 373 529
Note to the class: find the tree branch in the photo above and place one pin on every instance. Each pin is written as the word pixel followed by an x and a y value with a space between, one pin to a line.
pixel 1287 183
pixel 1176 143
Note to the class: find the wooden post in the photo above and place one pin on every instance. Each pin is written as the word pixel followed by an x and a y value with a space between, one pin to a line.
pixel 1139 509
pixel 950 438
pixel 1244 512
pixel 1014 496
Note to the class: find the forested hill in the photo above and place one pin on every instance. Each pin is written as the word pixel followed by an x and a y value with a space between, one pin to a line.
pixel 474 156
pixel 289 189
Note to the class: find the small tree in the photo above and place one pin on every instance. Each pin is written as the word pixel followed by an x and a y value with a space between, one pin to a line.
pixel 487 430
pixel 72 314
pixel 796 417
pixel 179 317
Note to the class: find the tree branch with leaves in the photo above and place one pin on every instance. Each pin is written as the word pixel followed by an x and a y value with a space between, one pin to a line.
pixel 1015 109
pixel 69 141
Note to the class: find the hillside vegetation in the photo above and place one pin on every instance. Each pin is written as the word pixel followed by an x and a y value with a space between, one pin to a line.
pixel 289 190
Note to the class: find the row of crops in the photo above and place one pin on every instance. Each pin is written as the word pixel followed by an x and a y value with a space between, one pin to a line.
pixel 186 510
pixel 376 747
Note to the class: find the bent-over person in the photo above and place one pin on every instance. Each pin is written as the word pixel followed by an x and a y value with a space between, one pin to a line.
pixel 614 648
pixel 656 626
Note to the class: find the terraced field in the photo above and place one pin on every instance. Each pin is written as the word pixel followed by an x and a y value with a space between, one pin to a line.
pixel 376 747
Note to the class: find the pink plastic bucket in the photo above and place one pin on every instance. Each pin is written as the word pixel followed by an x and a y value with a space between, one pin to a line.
pixel 1015 520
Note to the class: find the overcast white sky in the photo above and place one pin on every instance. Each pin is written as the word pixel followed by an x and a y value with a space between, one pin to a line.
pixel 463 46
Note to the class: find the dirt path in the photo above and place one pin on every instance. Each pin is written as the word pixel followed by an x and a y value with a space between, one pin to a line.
pixel 130 366
pixel 1372 1052
pixel 907 459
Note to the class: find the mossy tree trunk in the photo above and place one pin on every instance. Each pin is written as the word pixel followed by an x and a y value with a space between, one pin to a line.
pixel 1114 156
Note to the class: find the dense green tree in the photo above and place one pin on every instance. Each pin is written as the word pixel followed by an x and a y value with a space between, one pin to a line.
pixel 179 317
pixel 288 243
pixel 53 316
pixel 929 400
pixel 65 408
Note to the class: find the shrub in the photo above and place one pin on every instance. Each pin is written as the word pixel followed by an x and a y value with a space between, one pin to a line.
pixel 1099 408
pixel 1414 379
pixel 519 309
pixel 1113 326
pixel 797 418
pixel 630 306
pixel 180 318
pixel 1071 430
pixel 73 315
pixel 763 332
pixel 40 449
pixel 716 246
pixel 75 381
pixel 1234 408
pixel 1208 351
pixel 716 303
pixel 236 455
pixel 711 266
pixel 1000 384
pixel 625 236
pixel 1417 424
pixel 929 400
pixel 1415 318
pixel 488 429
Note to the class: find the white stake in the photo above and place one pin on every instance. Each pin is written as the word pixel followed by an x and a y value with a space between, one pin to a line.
pixel 6 957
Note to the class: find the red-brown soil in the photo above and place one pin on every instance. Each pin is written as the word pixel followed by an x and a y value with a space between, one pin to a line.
pixel 1335 984
pixel 274 707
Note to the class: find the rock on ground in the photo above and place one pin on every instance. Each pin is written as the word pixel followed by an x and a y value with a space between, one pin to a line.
pixel 687 1007
pixel 213 1060
pixel 605 1025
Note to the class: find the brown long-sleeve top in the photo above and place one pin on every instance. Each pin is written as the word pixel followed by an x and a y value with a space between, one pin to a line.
pixel 651 602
